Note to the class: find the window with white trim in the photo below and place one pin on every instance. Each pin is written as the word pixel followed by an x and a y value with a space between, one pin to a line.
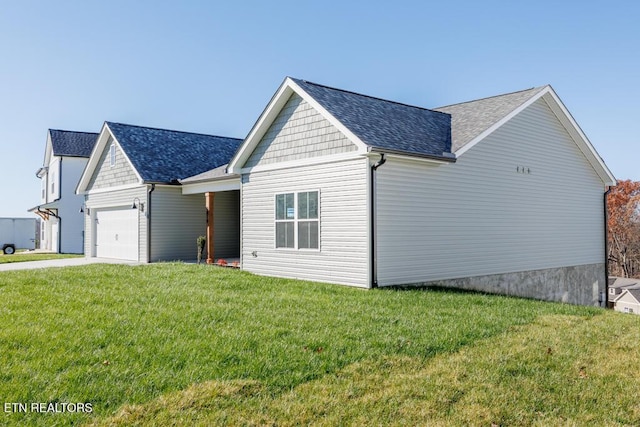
pixel 297 217
pixel 112 155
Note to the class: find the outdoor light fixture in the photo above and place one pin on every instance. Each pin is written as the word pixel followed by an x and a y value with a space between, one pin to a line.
pixel 84 208
pixel 137 204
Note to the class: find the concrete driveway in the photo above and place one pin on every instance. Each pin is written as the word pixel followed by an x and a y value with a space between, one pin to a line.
pixel 65 262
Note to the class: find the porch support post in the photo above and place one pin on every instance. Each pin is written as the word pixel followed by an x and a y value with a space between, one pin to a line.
pixel 210 246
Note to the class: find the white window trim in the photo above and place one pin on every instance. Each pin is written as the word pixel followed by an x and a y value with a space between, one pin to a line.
pixel 296 220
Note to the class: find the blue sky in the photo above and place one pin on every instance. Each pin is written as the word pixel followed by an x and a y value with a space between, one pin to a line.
pixel 211 67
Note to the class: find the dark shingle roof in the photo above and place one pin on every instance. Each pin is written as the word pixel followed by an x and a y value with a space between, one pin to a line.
pixel 385 124
pixel 470 119
pixel 161 155
pixel 72 144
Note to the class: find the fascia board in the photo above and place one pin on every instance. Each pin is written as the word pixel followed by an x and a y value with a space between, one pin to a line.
pixel 579 137
pixel 362 147
pixel 94 158
pixel 280 98
pixel 211 186
pixel 124 153
pixel 89 169
pixel 260 127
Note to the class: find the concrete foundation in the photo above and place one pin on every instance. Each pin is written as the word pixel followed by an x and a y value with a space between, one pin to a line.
pixel 579 284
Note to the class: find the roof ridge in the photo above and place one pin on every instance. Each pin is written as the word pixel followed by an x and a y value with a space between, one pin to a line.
pixel 74 131
pixel 172 130
pixel 493 96
pixel 367 96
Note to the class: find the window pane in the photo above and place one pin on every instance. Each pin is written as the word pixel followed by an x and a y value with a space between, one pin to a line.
pixel 313 205
pixel 284 234
pixel 303 235
pixel 280 206
pixel 303 205
pixel 313 235
pixel 290 209
pixel 308 235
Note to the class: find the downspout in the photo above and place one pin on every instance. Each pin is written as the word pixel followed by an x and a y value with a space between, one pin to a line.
pixel 151 190
pixel 606 250
pixel 372 217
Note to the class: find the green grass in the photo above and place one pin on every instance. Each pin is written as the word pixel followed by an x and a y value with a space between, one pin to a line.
pixel 174 344
pixel 26 256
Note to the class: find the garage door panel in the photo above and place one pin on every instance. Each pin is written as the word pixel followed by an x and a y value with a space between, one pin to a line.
pixel 117 234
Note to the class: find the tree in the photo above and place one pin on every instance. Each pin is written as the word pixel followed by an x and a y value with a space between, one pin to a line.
pixel 623 210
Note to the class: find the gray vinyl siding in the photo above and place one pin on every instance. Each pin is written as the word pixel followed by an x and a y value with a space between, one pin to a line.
pixel 176 223
pixel 343 254
pixel 226 220
pixel 482 215
pixel 105 175
pixel 296 122
pixel 111 200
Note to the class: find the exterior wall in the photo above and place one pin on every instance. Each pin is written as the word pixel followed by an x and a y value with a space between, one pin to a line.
pixel 298 121
pixel 53 180
pixel 176 223
pixel 344 245
pixel 72 224
pixel 627 304
pixel 111 200
pixel 574 285
pixel 122 173
pixel 482 216
pixel 226 221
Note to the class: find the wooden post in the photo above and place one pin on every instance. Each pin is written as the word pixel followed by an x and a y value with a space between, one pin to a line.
pixel 210 245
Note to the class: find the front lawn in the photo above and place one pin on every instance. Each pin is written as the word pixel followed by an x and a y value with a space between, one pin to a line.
pixel 186 344
pixel 28 256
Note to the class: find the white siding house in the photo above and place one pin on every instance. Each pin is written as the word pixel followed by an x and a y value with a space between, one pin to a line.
pixel 501 195
pixel 66 155
pixel 134 206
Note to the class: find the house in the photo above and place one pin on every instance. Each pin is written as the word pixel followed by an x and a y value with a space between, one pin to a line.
pixel 504 194
pixel 616 287
pixel 62 224
pixel 134 207
pixel 628 301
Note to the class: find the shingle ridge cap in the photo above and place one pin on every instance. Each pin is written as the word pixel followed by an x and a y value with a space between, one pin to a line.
pixel 369 96
pixel 173 130
pixel 490 97
pixel 74 131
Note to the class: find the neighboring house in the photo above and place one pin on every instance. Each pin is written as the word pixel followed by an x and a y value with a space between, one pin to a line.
pixel 617 285
pixel 628 301
pixel 134 207
pixel 503 194
pixel 62 224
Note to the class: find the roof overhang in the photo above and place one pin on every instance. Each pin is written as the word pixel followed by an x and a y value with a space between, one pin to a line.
pixel 228 183
pixel 567 121
pixel 279 99
pixel 94 159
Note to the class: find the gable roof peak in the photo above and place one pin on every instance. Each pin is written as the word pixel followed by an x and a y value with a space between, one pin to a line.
pixel 532 90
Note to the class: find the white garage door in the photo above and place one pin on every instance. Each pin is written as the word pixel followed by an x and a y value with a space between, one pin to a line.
pixel 117 234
